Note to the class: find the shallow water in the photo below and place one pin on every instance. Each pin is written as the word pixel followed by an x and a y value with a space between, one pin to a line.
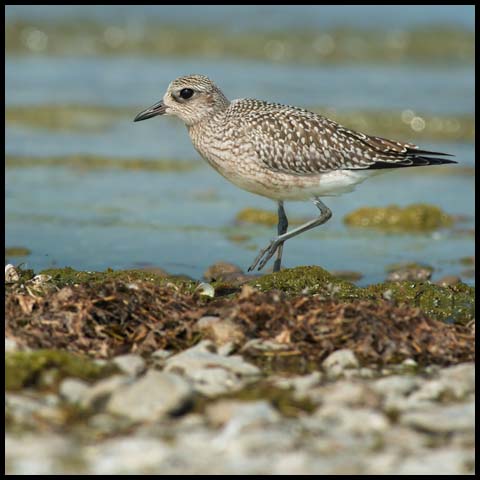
pixel 181 221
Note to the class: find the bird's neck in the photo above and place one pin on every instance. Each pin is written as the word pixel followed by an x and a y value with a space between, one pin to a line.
pixel 216 104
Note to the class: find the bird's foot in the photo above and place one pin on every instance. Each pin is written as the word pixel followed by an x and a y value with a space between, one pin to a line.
pixel 265 255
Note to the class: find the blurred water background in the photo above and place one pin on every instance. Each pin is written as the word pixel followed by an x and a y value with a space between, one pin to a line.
pixel 88 188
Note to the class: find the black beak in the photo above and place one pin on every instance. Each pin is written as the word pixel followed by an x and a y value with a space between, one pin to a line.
pixel 157 109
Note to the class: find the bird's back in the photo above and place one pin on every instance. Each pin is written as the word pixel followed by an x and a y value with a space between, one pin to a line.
pixel 293 140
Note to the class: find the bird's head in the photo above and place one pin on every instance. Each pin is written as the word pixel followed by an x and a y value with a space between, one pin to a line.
pixel 192 98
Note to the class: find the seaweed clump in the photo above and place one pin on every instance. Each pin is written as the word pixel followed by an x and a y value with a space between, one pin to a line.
pixel 413 218
pixel 44 368
pixel 116 317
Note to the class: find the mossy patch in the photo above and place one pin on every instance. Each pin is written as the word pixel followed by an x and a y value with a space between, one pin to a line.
pixel 89 118
pixel 413 218
pixel 17 252
pixel 97 162
pixel 31 369
pixel 452 304
pixel 68 276
pixel 432 44
pixel 468 261
pixel 309 280
pixel 401 124
pixel 259 216
pixel 407 125
pixel 318 315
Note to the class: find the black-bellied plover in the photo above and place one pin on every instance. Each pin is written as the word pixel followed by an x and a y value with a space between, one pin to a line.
pixel 280 152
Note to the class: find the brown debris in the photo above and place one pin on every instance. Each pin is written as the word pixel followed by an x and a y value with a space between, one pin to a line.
pixel 116 317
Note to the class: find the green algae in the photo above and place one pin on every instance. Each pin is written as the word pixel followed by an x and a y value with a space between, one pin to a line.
pixel 413 218
pixel 406 124
pixel 68 276
pixel 17 252
pixel 97 162
pixel 392 267
pixel 84 118
pixel 454 303
pixel 312 279
pixel 259 216
pixel 468 261
pixel 433 44
pixel 45 368
pixel 401 124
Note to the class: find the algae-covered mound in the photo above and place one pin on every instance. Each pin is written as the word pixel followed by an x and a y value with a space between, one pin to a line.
pixel 16 252
pixel 262 217
pixel 117 317
pixel 45 368
pixel 257 216
pixel 67 276
pixel 455 303
pixel 307 309
pixel 452 304
pixel 100 162
pixel 307 280
pixel 413 218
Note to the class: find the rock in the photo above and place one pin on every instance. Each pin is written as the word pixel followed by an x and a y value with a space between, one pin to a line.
pixel 40 280
pixel 222 271
pixel 245 413
pixel 348 393
pixel 454 383
pixel 356 421
pixel 442 461
pixel 448 280
pixel 73 390
pixel 11 274
pixel 205 289
pixel 11 345
pixel 152 396
pixel 442 419
pixel 41 454
pixel 349 275
pixel 220 331
pixel 264 345
pixel 339 361
pixel 98 394
pixel 153 269
pixel 410 273
pixel 162 354
pixel 32 412
pixel 460 378
pixel 410 363
pixel 129 455
pixel 130 364
pixel 212 373
pixel 302 384
pixel 398 385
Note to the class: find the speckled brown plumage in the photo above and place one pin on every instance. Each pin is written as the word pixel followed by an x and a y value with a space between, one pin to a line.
pixel 279 151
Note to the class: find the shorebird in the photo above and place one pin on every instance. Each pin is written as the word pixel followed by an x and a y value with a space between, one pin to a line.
pixel 281 152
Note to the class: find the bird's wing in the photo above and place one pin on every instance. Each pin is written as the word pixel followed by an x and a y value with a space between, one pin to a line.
pixel 292 140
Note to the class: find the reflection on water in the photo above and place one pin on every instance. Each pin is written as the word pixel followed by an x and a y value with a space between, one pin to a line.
pixel 99 217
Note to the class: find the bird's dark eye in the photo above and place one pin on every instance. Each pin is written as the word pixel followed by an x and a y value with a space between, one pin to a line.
pixel 186 93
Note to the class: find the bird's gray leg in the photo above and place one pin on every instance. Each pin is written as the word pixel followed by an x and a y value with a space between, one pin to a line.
pixel 268 252
pixel 281 229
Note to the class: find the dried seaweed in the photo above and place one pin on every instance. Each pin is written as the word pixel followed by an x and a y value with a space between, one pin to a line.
pixel 118 317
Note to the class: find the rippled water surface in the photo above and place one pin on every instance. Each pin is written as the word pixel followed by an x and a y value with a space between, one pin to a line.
pixel 183 221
